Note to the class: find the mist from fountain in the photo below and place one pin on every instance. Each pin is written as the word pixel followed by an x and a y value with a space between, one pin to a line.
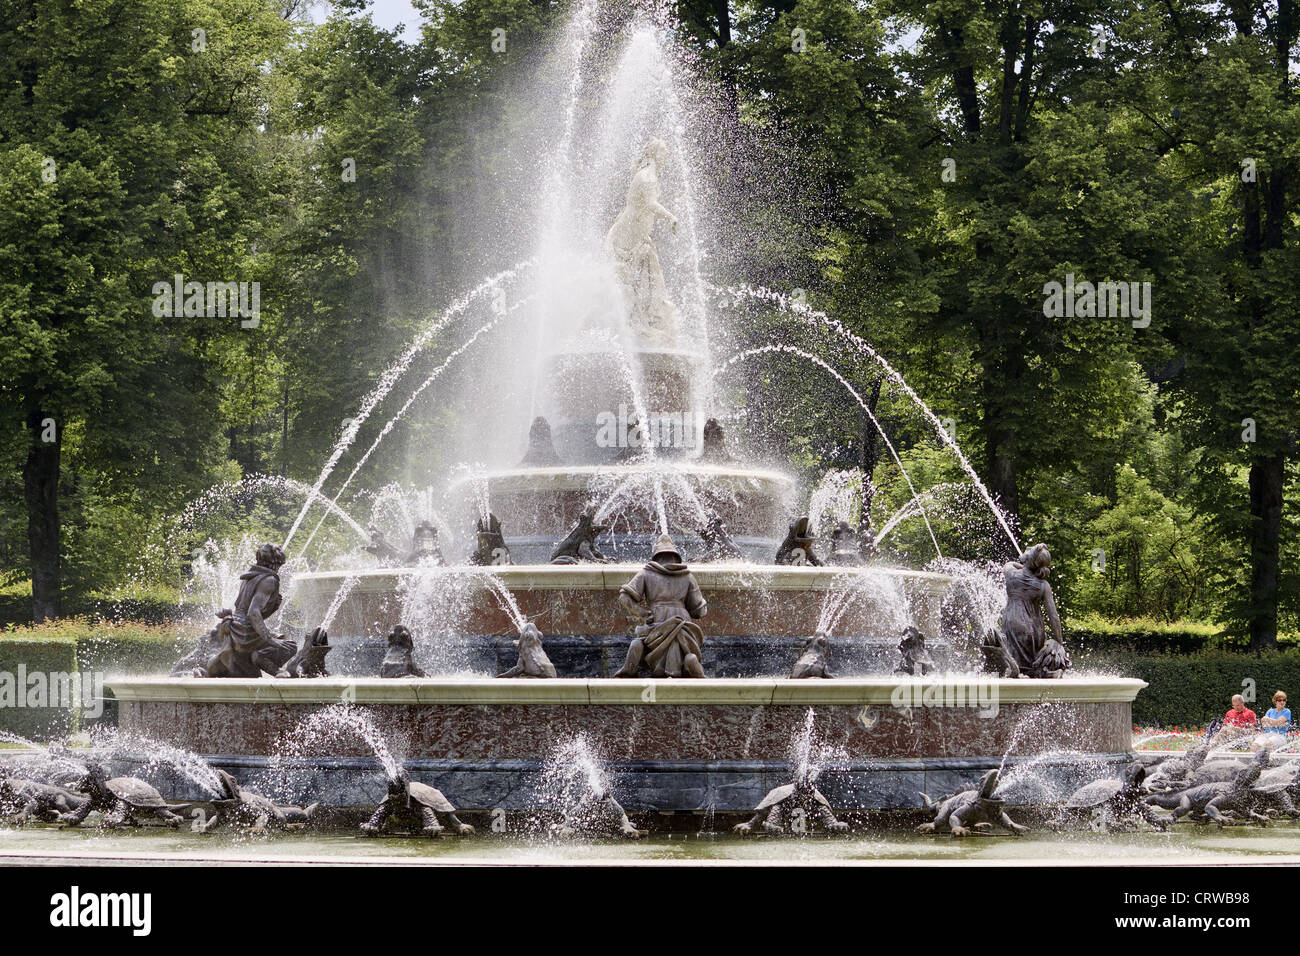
pixel 808 356
pixel 864 348
pixel 572 772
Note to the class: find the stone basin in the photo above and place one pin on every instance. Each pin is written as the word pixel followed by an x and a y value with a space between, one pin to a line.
pixel 581 599
pixel 692 746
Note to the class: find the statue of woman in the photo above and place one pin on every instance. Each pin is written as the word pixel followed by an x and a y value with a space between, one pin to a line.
pixel 631 241
pixel 1019 644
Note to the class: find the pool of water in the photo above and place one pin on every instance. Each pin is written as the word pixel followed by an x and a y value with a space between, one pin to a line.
pixel 1185 844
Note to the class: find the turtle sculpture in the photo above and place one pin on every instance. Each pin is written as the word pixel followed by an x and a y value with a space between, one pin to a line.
pixel 424 546
pixel 798 801
pixel 1217 801
pixel 713 446
pixel 1213 771
pixel 489 544
pixel 309 659
pixel 915 657
pixel 970 809
pixel 1273 794
pixel 541 449
pixel 1172 772
pixel 381 548
pixel 533 661
pixel 414 802
pixel 844 546
pixel 246 809
pixel 598 812
pixel 797 548
pixel 399 661
pixel 121 800
pixel 23 800
pixel 814 661
pixel 1114 800
pixel 580 544
pixel 718 545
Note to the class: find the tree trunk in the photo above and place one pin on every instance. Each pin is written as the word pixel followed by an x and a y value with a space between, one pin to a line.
pixel 41 491
pixel 1267 477
pixel 870 455
pixel 731 96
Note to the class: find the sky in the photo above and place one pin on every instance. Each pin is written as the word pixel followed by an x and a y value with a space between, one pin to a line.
pixel 390 13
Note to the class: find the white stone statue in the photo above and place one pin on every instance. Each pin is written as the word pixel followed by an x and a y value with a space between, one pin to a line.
pixel 651 317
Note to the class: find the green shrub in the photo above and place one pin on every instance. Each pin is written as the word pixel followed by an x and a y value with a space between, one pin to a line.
pixel 81 647
pixel 155 606
pixel 20 657
pixel 1094 634
pixel 1196 688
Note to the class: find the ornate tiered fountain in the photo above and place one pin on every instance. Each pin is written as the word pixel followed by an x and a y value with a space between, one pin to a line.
pixel 531 560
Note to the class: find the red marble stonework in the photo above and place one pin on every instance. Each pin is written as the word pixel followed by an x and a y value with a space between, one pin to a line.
pixel 586 612
pixel 667 732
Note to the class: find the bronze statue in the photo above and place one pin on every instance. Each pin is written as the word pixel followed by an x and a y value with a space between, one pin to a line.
pixel 718 545
pixel 309 661
pixel 598 812
pixel 247 647
pixel 1117 802
pixel 580 544
pixel 666 597
pixel 541 450
pixel 714 445
pixel 797 548
pixel 970 809
pixel 424 545
pixel 194 663
pixel 845 546
pixel 915 656
pixel 867 547
pixel 801 801
pixel 400 659
pixel 490 545
pixel 814 661
pixel 413 802
pixel 1018 645
pixel 119 800
pixel 248 810
pixel 381 548
pixel 533 661
pixel 22 800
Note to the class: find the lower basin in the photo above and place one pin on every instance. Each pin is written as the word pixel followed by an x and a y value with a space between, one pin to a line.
pixel 671 746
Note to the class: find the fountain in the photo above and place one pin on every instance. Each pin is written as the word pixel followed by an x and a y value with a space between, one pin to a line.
pixel 601 484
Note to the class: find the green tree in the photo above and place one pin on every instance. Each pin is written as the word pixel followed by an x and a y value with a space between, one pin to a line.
pixel 122 162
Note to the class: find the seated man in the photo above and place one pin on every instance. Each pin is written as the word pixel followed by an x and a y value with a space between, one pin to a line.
pixel 1273 725
pixel 1237 722
pixel 247 648
pixel 669 640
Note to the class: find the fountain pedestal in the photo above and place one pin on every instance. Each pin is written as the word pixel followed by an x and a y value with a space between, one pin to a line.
pixel 699 745
pixel 592 409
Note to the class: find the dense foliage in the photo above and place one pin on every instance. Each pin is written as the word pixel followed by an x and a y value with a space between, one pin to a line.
pixel 955 158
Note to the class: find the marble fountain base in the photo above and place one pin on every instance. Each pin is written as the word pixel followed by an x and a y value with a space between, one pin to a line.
pixel 672 746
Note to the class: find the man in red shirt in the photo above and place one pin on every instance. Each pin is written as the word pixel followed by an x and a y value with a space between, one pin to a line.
pixel 1237 722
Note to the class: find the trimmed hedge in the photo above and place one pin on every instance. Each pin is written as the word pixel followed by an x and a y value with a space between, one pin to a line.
pixel 82 649
pixel 160 607
pixel 1092 634
pixel 19 658
pixel 1196 688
